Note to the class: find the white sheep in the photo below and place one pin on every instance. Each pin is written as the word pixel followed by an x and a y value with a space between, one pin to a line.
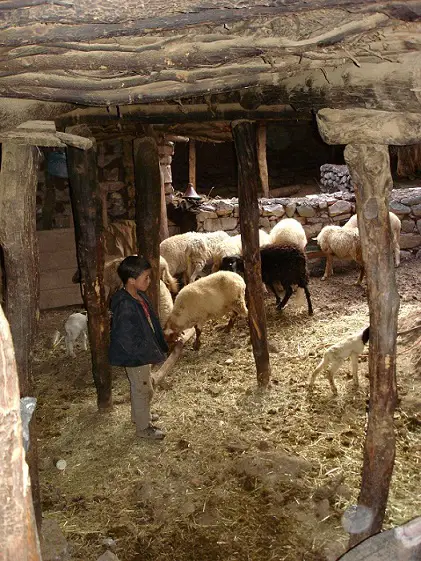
pixel 288 232
pixel 209 297
pixel 233 246
pixel 335 355
pixel 395 227
pixel 76 325
pixel 341 243
pixel 165 303
pixel 201 249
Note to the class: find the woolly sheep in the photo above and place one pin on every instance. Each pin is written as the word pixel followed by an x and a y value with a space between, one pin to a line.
pixel 165 303
pixel 202 249
pixel 209 297
pixel 233 246
pixel 341 243
pixel 395 226
pixel 335 355
pixel 288 232
pixel 280 264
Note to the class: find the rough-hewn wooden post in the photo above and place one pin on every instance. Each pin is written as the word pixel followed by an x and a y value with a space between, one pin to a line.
pixel 18 184
pixel 244 133
pixel 192 162
pixel 261 154
pixel 18 531
pixel 88 217
pixel 370 170
pixel 148 207
pixel 163 227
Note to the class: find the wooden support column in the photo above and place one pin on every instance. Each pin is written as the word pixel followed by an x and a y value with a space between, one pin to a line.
pixel 88 220
pixel 148 207
pixel 244 133
pixel 18 184
pixel 370 170
pixel 18 531
pixel 163 227
pixel 192 162
pixel 261 154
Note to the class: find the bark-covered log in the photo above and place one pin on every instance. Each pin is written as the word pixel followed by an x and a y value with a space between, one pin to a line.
pixel 148 207
pixel 18 531
pixel 365 126
pixel 87 215
pixel 261 155
pixel 192 163
pixel 370 170
pixel 245 138
pixel 18 185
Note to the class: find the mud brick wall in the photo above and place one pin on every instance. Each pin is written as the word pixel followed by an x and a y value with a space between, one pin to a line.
pixel 314 212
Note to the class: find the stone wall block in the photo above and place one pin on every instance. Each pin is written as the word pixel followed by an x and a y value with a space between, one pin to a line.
pixel 213 225
pixel 312 230
pixel 228 223
pixel 306 210
pixel 416 210
pixel 408 226
pixel 340 207
pixel 409 241
pixel 290 209
pixel 411 200
pixel 342 218
pixel 399 208
pixel 205 215
pixel 236 212
pixel 264 223
pixel 273 210
pixel 223 208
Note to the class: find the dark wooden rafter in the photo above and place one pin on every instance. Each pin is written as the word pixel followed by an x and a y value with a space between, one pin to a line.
pixel 245 139
pixel 18 531
pixel 18 182
pixel 88 221
pixel 370 170
pixel 148 207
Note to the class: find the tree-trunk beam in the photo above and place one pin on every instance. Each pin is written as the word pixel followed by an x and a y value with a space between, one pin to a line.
pixel 88 221
pixel 245 138
pixel 18 532
pixel 148 208
pixel 370 170
pixel 192 163
pixel 18 185
pixel 261 154
pixel 364 126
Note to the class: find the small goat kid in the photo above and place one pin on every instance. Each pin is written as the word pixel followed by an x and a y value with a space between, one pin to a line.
pixel 335 355
pixel 76 325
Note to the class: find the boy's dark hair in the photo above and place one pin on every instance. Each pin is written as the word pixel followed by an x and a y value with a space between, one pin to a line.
pixel 131 267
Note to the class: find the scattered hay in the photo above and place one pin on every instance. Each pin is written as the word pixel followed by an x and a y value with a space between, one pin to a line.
pixel 242 475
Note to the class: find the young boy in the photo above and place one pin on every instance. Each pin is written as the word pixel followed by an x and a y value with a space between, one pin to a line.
pixel 137 340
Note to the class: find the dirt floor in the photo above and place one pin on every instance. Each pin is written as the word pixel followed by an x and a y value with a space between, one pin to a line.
pixel 241 475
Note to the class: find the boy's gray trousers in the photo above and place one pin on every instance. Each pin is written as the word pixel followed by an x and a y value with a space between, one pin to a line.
pixel 141 393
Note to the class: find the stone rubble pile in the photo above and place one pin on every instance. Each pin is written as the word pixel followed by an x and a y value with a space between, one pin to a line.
pixel 334 178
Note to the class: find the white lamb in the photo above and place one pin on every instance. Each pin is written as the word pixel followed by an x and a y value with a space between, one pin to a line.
pixel 288 232
pixel 342 243
pixel 75 326
pixel 335 355
pixel 209 297
pixel 233 246
pixel 395 227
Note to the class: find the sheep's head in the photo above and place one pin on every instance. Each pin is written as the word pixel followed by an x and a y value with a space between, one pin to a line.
pixel 232 263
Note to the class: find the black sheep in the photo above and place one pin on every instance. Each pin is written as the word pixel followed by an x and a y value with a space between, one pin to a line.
pixel 284 264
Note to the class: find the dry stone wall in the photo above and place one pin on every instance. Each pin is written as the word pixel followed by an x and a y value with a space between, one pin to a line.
pixel 313 212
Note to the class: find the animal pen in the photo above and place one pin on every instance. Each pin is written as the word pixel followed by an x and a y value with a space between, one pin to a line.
pixel 72 74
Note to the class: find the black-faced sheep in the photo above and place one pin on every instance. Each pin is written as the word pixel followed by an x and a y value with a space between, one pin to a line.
pixel 233 246
pixel 209 297
pixel 335 355
pixel 284 265
pixel 342 243
pixel 395 227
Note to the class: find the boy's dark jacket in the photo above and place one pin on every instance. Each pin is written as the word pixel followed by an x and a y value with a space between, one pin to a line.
pixel 133 343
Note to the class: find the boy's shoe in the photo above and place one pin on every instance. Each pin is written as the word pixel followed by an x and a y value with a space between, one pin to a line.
pixel 151 433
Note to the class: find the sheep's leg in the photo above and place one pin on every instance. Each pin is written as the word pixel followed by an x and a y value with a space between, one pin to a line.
pixel 354 363
pixel 317 371
pixel 69 346
pixel 288 293
pixel 333 368
pixel 231 322
pixel 272 287
pixel 198 267
pixel 196 345
pixel 84 340
pixel 329 267
pixel 361 276
pixel 307 293
pixel 397 253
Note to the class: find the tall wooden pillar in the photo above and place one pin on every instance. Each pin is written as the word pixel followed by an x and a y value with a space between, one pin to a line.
pixel 244 133
pixel 148 207
pixel 192 162
pixel 88 220
pixel 370 171
pixel 18 531
pixel 18 184
pixel 163 227
pixel 261 155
